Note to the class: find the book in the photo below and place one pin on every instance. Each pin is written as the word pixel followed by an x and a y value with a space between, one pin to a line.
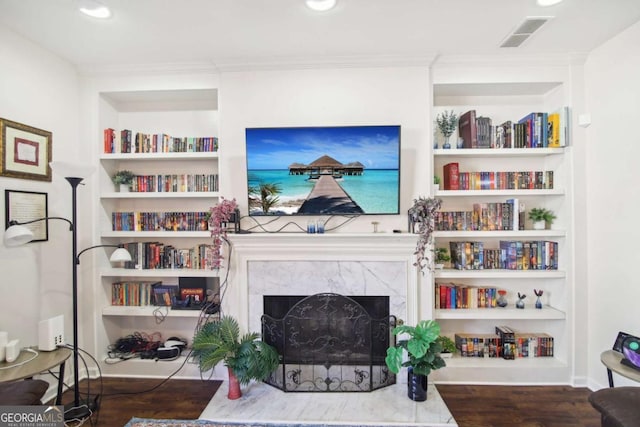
pixel 451 175
pixel 484 132
pixel 467 129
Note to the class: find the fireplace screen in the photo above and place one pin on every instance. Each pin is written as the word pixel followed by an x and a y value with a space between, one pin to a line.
pixel 329 342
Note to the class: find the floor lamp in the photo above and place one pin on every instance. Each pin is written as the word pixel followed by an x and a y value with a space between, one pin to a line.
pixel 17 234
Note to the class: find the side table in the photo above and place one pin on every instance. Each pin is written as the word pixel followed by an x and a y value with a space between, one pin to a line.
pixel 29 364
pixel 611 360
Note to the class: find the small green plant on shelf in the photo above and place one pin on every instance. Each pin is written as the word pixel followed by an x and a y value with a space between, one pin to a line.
pixel 436 180
pixel 447 122
pixel 123 177
pixel 448 346
pixel 441 257
pixel 541 217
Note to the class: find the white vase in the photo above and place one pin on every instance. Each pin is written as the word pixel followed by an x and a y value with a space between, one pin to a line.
pixel 539 225
pixel 124 188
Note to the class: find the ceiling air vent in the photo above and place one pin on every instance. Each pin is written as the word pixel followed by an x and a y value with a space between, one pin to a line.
pixel 524 30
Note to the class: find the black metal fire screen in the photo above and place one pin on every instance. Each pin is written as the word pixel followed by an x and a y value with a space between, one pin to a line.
pixel 329 342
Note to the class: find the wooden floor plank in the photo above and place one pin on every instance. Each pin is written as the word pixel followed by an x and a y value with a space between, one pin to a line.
pixel 470 405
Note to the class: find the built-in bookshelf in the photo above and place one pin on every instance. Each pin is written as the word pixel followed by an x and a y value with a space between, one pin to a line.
pixel 508 175
pixel 169 140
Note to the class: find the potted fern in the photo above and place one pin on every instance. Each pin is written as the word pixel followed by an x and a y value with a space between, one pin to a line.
pixel 422 345
pixel 246 358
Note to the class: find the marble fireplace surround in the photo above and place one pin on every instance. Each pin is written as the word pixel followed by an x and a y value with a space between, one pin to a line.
pixel 306 264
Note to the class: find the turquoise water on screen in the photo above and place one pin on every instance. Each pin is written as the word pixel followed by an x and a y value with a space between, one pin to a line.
pixel 376 191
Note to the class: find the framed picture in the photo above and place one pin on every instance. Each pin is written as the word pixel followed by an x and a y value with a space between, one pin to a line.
pixel 25 151
pixel 24 206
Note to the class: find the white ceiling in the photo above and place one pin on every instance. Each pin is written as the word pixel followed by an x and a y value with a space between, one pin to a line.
pixel 219 32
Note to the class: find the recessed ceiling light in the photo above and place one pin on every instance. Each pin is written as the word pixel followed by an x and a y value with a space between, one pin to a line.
pixel 94 8
pixel 545 3
pixel 320 5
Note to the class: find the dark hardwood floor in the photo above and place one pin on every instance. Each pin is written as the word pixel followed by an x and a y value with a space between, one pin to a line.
pixel 471 405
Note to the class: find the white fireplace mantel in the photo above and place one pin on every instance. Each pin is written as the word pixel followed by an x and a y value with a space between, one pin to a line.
pixel 396 248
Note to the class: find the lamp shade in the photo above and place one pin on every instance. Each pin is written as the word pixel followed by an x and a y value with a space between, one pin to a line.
pixel 17 235
pixel 120 255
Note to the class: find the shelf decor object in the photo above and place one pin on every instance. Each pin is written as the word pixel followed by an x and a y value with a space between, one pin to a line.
pixel 222 214
pixel 422 222
pixel 447 122
pixel 17 234
pixel 26 151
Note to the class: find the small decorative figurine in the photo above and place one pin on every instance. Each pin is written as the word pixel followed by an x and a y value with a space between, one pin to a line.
pixel 538 294
pixel 502 299
pixel 520 303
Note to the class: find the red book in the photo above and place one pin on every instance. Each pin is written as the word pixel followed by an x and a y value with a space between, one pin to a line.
pixel 468 130
pixel 451 176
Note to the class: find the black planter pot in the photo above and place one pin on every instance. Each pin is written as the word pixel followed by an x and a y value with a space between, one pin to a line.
pixel 416 386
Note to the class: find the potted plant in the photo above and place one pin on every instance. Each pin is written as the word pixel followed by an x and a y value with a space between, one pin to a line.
pixel 436 183
pixel 541 217
pixel 422 221
pixel 123 179
pixel 422 346
pixel 219 216
pixel 441 257
pixel 246 358
pixel 448 346
pixel 447 122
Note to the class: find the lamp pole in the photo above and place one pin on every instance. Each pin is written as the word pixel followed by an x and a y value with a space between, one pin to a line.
pixel 76 411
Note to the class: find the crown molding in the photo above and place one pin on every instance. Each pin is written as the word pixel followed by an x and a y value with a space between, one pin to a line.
pixel 519 60
pixel 106 70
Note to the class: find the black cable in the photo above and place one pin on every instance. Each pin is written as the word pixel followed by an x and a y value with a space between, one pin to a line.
pixel 156 386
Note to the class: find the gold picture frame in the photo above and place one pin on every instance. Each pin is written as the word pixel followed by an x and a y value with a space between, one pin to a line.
pixel 25 151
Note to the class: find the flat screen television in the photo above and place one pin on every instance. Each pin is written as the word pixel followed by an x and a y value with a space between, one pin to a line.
pixel 330 170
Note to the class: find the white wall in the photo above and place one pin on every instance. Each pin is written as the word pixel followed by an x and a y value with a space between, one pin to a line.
pixel 324 97
pixel 40 90
pixel 613 201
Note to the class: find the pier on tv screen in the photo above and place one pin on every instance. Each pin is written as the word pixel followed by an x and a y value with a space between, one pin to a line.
pixel 337 170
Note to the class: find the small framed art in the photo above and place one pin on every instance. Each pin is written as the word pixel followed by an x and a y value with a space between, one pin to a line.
pixel 25 151
pixel 25 206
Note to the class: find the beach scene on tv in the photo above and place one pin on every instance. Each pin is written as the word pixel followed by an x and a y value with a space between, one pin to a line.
pixel 323 170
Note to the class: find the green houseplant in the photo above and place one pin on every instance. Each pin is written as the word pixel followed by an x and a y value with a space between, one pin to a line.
pixel 246 357
pixel 447 122
pixel 541 217
pixel 123 179
pixel 441 257
pixel 422 347
pixel 448 346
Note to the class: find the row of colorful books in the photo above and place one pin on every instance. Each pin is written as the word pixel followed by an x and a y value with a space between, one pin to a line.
pixel 483 217
pixel 460 296
pixel 157 255
pixel 159 221
pixel 123 142
pixel 454 179
pixel 175 183
pixel 512 255
pixel 133 293
pixel 535 130
pixel 523 345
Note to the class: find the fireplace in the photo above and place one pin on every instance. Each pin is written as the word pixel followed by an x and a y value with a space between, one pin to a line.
pixel 329 342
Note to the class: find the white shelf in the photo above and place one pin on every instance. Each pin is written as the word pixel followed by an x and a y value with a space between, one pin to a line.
pixel 498 152
pixel 147 311
pixel 162 195
pixel 203 155
pixel 518 234
pixel 499 274
pixel 497 362
pixel 498 313
pixel 156 234
pixel 502 193
pixel 165 272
